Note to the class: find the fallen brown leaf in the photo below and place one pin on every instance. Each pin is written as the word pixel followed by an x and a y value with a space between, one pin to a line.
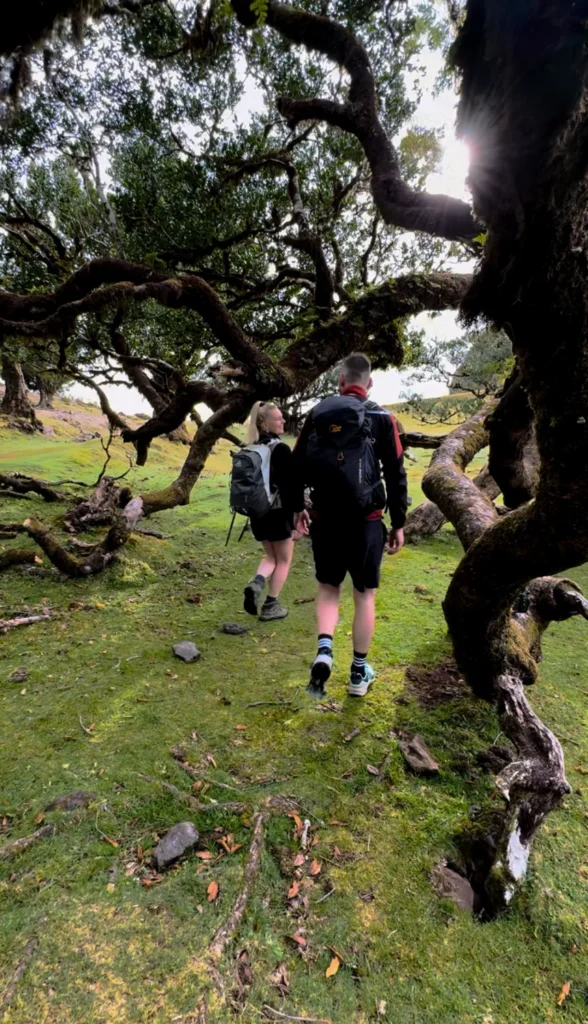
pixel 204 855
pixel 565 991
pixel 299 940
pixel 39 818
pixel 293 890
pixel 333 967
pixel 279 978
pixel 299 860
pixel 241 728
pixel 315 868
pixel 297 820
pixel 228 844
pixel 212 892
pixel 372 770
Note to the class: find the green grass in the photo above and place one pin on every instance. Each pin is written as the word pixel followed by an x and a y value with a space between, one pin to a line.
pixel 112 950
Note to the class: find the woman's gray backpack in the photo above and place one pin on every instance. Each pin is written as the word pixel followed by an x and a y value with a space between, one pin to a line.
pixel 251 493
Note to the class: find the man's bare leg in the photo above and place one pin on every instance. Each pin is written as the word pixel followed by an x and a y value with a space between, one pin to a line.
pixel 364 620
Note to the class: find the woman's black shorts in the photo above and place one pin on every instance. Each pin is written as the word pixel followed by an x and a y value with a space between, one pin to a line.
pixel 275 525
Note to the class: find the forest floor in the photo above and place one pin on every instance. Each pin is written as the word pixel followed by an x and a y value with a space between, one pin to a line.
pixel 106 940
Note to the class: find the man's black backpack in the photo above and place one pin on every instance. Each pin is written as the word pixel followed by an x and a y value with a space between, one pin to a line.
pixel 341 465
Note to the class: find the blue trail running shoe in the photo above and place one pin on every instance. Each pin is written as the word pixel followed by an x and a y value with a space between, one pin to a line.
pixel 359 683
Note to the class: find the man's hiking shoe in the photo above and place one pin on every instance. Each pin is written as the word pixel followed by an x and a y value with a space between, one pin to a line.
pixel 272 611
pixel 319 673
pixel 251 596
pixel 359 683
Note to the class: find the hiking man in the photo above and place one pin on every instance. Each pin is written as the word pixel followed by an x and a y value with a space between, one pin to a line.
pixel 346 444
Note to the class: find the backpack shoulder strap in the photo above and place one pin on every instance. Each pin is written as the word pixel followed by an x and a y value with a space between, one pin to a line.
pixel 374 409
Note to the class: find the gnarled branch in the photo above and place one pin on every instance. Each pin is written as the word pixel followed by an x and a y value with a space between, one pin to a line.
pixel 397 202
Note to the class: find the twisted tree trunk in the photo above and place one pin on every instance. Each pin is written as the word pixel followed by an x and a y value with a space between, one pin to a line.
pixel 15 402
pixel 427 519
pixel 498 653
pixel 514 458
pixel 47 390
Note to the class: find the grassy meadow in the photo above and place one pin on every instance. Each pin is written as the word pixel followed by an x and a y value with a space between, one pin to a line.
pixel 104 703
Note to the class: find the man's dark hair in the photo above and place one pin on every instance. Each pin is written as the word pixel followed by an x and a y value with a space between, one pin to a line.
pixel 356 368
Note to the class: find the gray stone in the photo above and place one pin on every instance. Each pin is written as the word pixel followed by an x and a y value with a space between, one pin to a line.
pixel 71 801
pixel 451 886
pixel 418 757
pixel 234 628
pixel 178 840
pixel 20 675
pixel 187 651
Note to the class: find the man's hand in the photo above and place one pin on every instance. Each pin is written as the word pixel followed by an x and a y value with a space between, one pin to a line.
pixel 302 523
pixel 395 541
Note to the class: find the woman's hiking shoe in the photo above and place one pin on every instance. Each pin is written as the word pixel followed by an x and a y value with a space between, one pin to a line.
pixel 251 596
pixel 359 683
pixel 269 612
pixel 319 674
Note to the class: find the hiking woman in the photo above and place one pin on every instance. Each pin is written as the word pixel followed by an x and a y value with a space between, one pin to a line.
pixel 274 529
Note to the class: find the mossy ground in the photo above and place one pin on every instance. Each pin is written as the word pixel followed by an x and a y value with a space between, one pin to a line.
pixel 111 950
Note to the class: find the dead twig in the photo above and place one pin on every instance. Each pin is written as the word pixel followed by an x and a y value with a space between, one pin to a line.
pixel 197 775
pixel 19 845
pixel 278 1015
pixel 226 932
pixel 326 896
pixel 269 703
pixel 232 806
pixel 23 620
pixel 28 953
pixel 89 729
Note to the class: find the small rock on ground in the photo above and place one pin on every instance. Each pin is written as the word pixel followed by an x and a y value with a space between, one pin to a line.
pixel 71 801
pixel 20 675
pixel 418 757
pixel 451 886
pixel 234 628
pixel 178 840
pixel 187 651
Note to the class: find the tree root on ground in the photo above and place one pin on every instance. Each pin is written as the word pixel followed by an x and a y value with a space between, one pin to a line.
pixel 28 953
pixel 100 509
pixel 22 620
pixel 19 845
pixel 19 485
pixel 225 934
pixel 18 556
pixel 99 557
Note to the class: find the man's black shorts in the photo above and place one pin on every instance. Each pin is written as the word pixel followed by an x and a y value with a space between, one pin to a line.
pixel 355 548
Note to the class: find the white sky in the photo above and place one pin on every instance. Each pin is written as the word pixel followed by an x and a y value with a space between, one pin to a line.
pixel 432 112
